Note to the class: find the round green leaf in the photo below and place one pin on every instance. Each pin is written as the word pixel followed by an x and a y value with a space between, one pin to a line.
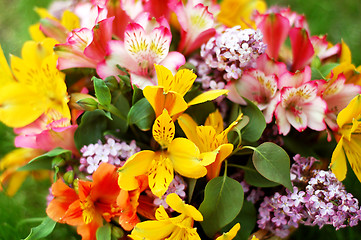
pixel 222 202
pixel 90 129
pixel 272 162
pixel 254 129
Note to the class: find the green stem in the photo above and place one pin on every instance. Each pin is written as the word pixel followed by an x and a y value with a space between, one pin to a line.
pixel 241 167
pixel 29 220
pixel 116 112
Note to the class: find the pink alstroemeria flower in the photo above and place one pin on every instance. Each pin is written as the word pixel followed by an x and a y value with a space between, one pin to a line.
pixel 301 108
pixel 259 88
pixel 85 48
pixel 279 24
pixel 47 134
pixel 337 95
pixel 297 79
pixel 323 49
pixel 124 11
pixel 197 25
pixel 146 42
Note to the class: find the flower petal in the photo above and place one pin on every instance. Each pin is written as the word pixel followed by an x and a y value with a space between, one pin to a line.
pixel 207 96
pixel 185 157
pixel 176 203
pixel 172 101
pixel 163 129
pixel 338 161
pixel 161 174
pixel 136 165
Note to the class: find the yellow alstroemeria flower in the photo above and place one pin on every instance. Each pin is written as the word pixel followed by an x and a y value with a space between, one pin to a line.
pixel 352 73
pixel 176 228
pixel 10 177
pixel 231 233
pixel 34 87
pixel 179 154
pixel 209 138
pixel 171 89
pixel 349 144
pixel 239 12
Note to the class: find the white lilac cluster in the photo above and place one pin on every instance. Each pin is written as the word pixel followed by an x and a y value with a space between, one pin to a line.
pixel 178 186
pixel 113 151
pixel 229 53
pixel 322 200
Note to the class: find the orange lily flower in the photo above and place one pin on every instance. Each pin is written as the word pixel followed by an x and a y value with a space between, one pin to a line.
pixel 86 208
pixel 129 202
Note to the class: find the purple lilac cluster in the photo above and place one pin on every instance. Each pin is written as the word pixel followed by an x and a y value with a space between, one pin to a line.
pixel 252 194
pixel 178 186
pixel 322 200
pixel 226 55
pixel 113 151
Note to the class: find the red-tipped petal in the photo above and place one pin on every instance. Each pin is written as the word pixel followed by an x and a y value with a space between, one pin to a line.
pixel 275 29
pixel 302 49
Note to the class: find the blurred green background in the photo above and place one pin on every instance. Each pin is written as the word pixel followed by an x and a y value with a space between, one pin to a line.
pixel 338 19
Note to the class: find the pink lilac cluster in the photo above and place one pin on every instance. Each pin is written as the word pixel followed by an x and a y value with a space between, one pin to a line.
pixel 178 186
pixel 113 151
pixel 226 55
pixel 323 201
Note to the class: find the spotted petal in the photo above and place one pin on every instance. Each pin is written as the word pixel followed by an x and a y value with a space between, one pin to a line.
pixel 163 129
pixel 160 174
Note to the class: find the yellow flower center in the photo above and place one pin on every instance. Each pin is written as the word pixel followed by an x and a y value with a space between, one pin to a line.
pixel 88 210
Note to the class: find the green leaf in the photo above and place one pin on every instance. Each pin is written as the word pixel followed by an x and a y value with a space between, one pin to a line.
pixel 142 115
pixel 222 202
pixel 247 219
pixel 90 129
pixel 254 129
pixel 48 160
pixel 254 178
pixel 326 69
pixel 122 105
pixel 111 83
pixel 272 162
pixel 323 71
pixel 104 232
pixel 44 229
pixel 6 140
pixel 137 94
pixel 102 92
pixel 316 74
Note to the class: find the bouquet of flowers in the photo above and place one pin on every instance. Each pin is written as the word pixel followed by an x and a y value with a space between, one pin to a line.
pixel 182 120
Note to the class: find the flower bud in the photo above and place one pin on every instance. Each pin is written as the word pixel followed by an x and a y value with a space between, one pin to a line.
pixel 69 177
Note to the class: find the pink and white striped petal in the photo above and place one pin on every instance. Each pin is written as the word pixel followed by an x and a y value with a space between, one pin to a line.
pixel 301 108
